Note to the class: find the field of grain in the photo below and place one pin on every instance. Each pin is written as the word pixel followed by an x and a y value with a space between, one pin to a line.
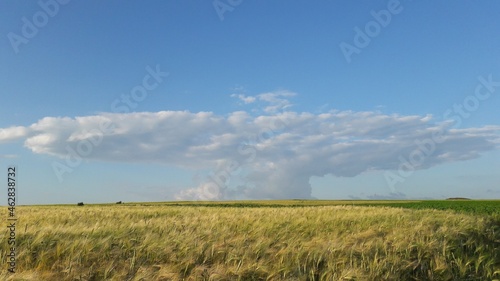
pixel 275 240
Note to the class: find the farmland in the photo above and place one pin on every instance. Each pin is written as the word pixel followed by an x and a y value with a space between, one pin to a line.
pixel 258 240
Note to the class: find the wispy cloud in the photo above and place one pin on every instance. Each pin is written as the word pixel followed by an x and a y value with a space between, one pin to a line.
pixel 9 156
pixel 275 101
pixel 244 99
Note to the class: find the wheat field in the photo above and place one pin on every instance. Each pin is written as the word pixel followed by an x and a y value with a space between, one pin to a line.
pixel 336 242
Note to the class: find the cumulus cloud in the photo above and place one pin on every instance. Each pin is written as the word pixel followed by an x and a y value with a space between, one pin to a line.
pixel 271 155
pixel 12 133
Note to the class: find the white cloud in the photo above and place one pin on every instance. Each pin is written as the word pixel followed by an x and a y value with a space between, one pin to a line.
pixel 278 152
pixel 12 133
pixel 276 101
pixel 245 99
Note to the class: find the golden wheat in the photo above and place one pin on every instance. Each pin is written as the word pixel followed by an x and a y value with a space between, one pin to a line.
pixel 161 242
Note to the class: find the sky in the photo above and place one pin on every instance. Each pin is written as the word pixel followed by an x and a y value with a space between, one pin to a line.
pixel 105 101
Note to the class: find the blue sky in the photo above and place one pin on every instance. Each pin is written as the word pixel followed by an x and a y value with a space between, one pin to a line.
pixel 236 70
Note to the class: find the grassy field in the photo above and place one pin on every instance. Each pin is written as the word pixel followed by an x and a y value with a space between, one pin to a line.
pixel 258 240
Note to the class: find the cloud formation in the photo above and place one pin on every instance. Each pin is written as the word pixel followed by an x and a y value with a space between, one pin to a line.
pixel 276 101
pixel 12 133
pixel 273 155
